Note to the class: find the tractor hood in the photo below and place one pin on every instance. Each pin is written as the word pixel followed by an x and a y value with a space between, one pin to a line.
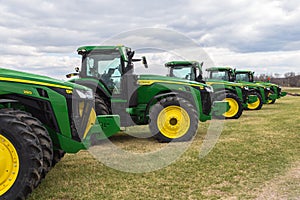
pixel 250 84
pixel 216 81
pixel 150 79
pixel 267 84
pixel 28 78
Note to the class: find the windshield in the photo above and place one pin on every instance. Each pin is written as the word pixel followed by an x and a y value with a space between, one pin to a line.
pixel 219 75
pixel 106 66
pixel 184 73
pixel 242 77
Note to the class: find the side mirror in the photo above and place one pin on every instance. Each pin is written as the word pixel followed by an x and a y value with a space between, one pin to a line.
pixel 201 64
pixel 130 54
pixel 144 60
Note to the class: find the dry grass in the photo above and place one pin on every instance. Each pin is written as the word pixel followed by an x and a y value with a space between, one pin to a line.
pixel 260 147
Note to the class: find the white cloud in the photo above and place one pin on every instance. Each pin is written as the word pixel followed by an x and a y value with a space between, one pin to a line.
pixel 260 62
pixel 39 34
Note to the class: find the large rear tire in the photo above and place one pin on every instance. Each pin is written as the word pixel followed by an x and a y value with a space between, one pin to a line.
pixel 58 154
pixel 100 106
pixel 21 158
pixel 256 105
pixel 236 107
pixel 173 119
pixel 42 134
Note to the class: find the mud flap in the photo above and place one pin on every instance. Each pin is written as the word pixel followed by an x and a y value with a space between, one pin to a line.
pixel 252 99
pixel 220 107
pixel 272 97
pixel 106 126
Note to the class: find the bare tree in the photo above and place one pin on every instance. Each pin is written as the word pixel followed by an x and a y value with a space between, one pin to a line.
pixel 289 74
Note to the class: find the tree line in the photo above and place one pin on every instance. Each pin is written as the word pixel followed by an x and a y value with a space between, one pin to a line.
pixel 290 79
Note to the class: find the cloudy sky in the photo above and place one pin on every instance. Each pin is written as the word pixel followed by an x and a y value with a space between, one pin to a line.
pixel 42 36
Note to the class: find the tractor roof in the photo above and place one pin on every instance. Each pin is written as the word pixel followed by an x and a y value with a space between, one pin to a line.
pixel 244 71
pixel 182 63
pixel 219 69
pixel 91 48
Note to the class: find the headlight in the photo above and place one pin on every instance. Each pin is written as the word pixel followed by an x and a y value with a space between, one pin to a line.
pixel 85 94
pixel 268 88
pixel 209 89
pixel 246 88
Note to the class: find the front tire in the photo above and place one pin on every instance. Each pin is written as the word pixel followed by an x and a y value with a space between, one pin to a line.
pixel 256 105
pixel 42 134
pixel 173 119
pixel 236 108
pixel 21 158
pixel 271 101
pixel 58 154
pixel 100 106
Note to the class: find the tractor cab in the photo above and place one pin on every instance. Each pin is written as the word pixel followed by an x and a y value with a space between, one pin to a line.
pixel 108 71
pixel 245 76
pixel 221 73
pixel 189 70
pixel 108 64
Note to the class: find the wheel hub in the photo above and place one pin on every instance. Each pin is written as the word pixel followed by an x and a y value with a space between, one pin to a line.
pixel 234 107
pixel 9 164
pixel 173 122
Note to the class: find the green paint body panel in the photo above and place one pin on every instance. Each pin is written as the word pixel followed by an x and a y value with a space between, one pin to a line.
pixel 54 99
pixel 220 107
pixel 107 126
pixel 258 88
pixel 275 88
pixel 252 98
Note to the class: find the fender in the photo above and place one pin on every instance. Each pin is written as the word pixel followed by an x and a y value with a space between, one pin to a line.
pixel 220 92
pixel 156 97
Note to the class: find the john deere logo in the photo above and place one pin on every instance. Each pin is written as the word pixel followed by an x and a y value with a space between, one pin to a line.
pixel 27 92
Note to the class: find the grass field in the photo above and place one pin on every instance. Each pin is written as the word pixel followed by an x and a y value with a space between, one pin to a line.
pixel 256 156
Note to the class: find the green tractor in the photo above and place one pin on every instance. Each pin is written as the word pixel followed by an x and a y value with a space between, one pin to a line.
pixel 217 74
pixel 41 119
pixel 247 76
pixel 172 107
pixel 263 92
pixel 235 94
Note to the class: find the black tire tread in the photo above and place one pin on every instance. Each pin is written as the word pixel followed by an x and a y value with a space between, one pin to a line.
pixel 173 100
pixel 41 132
pixel 260 98
pixel 100 106
pixel 237 99
pixel 29 152
pixel 58 154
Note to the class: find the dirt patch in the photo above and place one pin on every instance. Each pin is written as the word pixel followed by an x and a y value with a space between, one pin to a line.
pixel 286 186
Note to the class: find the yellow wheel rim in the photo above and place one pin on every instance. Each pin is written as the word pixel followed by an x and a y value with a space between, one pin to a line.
pixel 253 106
pixel 269 101
pixel 9 164
pixel 173 122
pixel 234 108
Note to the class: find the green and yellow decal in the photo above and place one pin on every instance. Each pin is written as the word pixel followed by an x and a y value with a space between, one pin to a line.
pixel 34 82
pixel 150 82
